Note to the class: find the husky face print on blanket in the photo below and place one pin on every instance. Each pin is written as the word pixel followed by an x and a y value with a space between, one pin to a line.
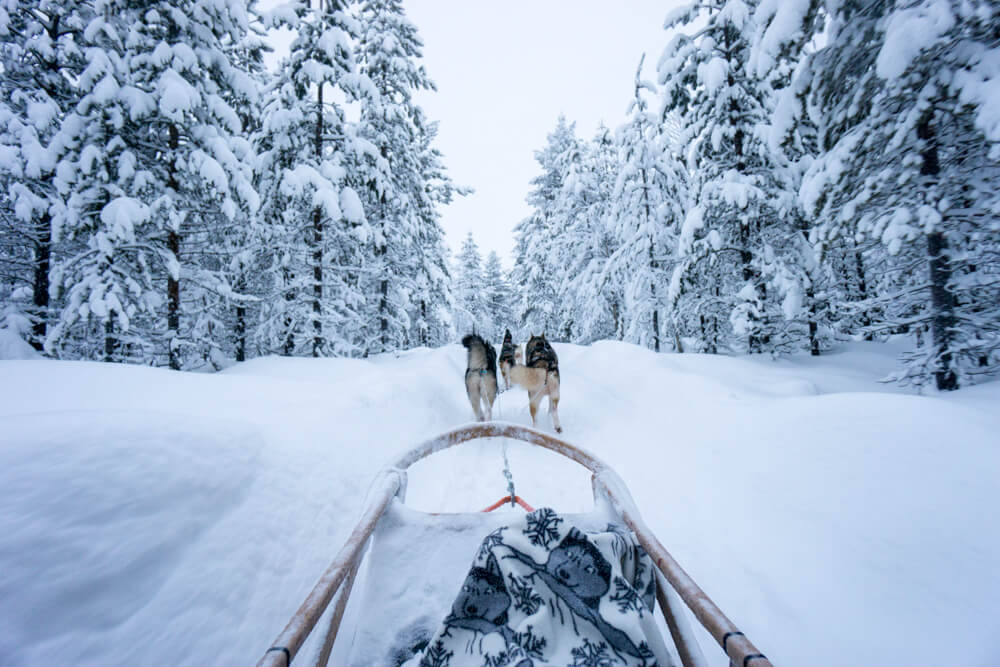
pixel 482 603
pixel 542 592
pixel 577 572
pixel 578 566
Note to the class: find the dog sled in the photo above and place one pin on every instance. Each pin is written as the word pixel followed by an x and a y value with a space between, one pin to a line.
pixel 383 617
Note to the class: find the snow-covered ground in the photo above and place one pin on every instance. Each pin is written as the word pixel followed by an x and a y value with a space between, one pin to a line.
pixel 153 517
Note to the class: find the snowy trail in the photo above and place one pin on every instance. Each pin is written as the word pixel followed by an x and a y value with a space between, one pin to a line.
pixel 163 518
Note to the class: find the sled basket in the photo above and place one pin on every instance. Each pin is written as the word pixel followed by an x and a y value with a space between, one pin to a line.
pixel 449 541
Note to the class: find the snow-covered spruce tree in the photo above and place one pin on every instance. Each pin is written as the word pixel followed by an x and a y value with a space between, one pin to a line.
pixel 40 58
pixel 183 170
pixel 230 244
pixel 313 220
pixel 649 201
pixel 851 268
pixel 246 242
pixel 536 274
pixel 470 303
pixel 388 51
pixel 731 241
pixel 497 297
pixel 112 299
pixel 784 32
pixel 911 160
pixel 590 302
pixel 431 304
pixel 570 205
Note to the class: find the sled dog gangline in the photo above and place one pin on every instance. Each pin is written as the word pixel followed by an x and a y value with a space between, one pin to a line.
pixel 674 584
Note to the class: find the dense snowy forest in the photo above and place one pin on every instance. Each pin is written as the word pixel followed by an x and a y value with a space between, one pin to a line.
pixel 169 201
pixel 800 173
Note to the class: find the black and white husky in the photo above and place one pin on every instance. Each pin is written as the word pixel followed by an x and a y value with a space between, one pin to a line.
pixel 480 376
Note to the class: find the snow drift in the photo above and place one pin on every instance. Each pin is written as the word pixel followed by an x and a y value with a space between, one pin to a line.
pixel 153 517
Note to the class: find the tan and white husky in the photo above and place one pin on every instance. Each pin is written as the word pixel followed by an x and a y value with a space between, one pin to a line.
pixel 540 377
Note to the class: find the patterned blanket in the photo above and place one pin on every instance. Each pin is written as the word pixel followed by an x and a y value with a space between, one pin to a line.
pixel 541 592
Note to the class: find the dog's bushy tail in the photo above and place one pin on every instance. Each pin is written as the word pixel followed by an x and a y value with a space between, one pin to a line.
pixel 507 349
pixel 472 339
pixel 540 354
pixel 491 358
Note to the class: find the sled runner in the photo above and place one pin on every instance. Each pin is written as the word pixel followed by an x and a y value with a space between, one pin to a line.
pixel 584 573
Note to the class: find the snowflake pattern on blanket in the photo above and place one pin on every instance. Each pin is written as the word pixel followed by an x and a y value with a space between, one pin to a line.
pixel 542 593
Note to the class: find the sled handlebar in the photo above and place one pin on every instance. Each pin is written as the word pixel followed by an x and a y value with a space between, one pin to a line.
pixel 740 650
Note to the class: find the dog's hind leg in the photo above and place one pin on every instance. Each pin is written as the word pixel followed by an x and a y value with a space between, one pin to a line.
pixel 533 403
pixel 554 411
pixel 554 407
pixel 490 395
pixel 473 389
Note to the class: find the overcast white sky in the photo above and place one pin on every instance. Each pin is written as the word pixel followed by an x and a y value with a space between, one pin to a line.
pixel 504 73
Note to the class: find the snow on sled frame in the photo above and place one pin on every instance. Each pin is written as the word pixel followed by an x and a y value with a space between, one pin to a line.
pixel 672 580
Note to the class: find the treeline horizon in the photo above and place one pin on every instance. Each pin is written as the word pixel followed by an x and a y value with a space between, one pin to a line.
pixel 799 173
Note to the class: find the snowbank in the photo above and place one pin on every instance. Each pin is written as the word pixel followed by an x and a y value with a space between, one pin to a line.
pixel 152 517
pixel 13 346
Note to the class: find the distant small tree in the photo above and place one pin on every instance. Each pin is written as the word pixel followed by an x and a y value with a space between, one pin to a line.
pixel 497 297
pixel 470 297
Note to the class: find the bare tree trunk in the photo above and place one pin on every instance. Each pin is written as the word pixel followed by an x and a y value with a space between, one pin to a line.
pixel 810 296
pixel 652 296
pixel 40 296
pixel 942 298
pixel 859 270
pixel 109 337
pixel 652 265
pixel 424 328
pixel 383 325
pixel 43 244
pixel 616 318
pixel 174 246
pixel 943 307
pixel 813 326
pixel 383 305
pixel 241 333
pixel 288 345
pixel 317 305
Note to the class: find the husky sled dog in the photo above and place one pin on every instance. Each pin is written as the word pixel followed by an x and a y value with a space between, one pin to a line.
pixel 540 377
pixel 506 357
pixel 480 376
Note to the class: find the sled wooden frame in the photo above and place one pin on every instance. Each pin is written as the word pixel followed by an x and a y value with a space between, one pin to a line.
pixel 391 482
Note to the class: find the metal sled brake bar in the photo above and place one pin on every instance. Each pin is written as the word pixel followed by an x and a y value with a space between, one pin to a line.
pixel 738 648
